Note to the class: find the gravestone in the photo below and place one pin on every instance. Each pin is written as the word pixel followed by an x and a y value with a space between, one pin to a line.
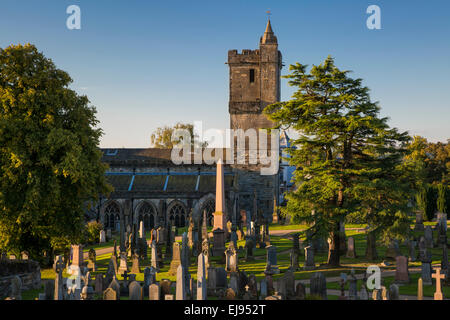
pixel 181 283
pixel 412 250
pixel 135 291
pixel 401 271
pixel 351 250
pixel 77 255
pixel 110 294
pixel 49 290
pixel 149 276
pixel 99 283
pixel 252 287
pixel 87 293
pixel 230 294
pixel 92 260
pixel 112 269
pixel 309 258
pixel 300 291
pixel 123 266
pixel 428 237
pixel 16 288
pixel 176 258
pixel 201 278
pixel 352 286
pixel 426 273
pixel 221 278
pixel 154 292
pixel 289 281
pixel 424 253
pixel 58 267
pixel 231 258
pixel 272 265
pixel 135 266
pixel 438 276
pixel 318 285
pixel 108 234
pixel 165 285
pixel 102 236
pixel 363 294
pixel 393 250
pixel 293 255
pixel 419 222
pixel 263 289
pixel 394 292
pixel 234 282
pixel 115 286
pixel 249 245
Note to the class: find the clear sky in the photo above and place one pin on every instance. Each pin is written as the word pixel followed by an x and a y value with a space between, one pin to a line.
pixel 145 64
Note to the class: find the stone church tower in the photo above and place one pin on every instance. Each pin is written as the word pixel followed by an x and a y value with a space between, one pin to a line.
pixel 254 82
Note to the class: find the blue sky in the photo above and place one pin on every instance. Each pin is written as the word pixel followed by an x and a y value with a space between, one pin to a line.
pixel 145 64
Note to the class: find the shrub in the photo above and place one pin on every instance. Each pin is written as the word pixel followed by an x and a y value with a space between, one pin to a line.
pixel 93 229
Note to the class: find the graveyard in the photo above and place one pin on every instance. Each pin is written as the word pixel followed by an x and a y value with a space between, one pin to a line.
pixel 313 196
pixel 254 265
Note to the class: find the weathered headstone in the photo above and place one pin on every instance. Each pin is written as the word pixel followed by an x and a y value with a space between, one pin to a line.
pixel 135 291
pixel 58 267
pixel 293 255
pixel 230 294
pixel 102 236
pixel 428 237
pixel 394 292
pixel 351 250
pixel 92 265
pixel 201 278
pixel 363 294
pixel 309 258
pixel 231 258
pixel 98 283
pixel 135 266
pixel 426 273
pixel 352 286
pixel 154 292
pixel 300 292
pixel 272 260
pixel 110 294
pixel 419 222
pixel 181 283
pixel 16 288
pixel 401 271
pixel 115 285
pixel 123 266
pixel 318 285
pixel 77 255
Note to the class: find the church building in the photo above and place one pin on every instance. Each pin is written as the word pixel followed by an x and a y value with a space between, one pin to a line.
pixel 149 187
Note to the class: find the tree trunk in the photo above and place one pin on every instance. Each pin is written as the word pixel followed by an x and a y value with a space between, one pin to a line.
pixel 371 248
pixel 333 250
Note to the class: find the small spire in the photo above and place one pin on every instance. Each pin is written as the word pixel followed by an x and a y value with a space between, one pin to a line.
pixel 269 36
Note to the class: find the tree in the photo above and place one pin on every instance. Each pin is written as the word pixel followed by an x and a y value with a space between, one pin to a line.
pixel 347 158
pixel 443 198
pixel 162 136
pixel 50 164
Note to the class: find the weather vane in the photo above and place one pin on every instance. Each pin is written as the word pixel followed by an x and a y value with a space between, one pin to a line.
pixel 269 13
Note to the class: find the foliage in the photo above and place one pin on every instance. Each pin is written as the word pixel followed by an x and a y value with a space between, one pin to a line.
pixel 347 158
pixel 92 233
pixel 50 163
pixel 426 201
pixel 163 137
pixel 431 161
pixel 443 198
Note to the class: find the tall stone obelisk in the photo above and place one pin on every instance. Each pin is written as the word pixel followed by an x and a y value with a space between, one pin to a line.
pixel 219 216
pixel 219 228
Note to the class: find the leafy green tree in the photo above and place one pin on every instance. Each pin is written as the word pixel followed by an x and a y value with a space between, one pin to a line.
pixel 347 158
pixel 442 199
pixel 162 136
pixel 50 164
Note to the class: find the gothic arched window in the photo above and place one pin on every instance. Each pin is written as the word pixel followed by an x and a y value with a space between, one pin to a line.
pixel 147 214
pixel 177 215
pixel 112 216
